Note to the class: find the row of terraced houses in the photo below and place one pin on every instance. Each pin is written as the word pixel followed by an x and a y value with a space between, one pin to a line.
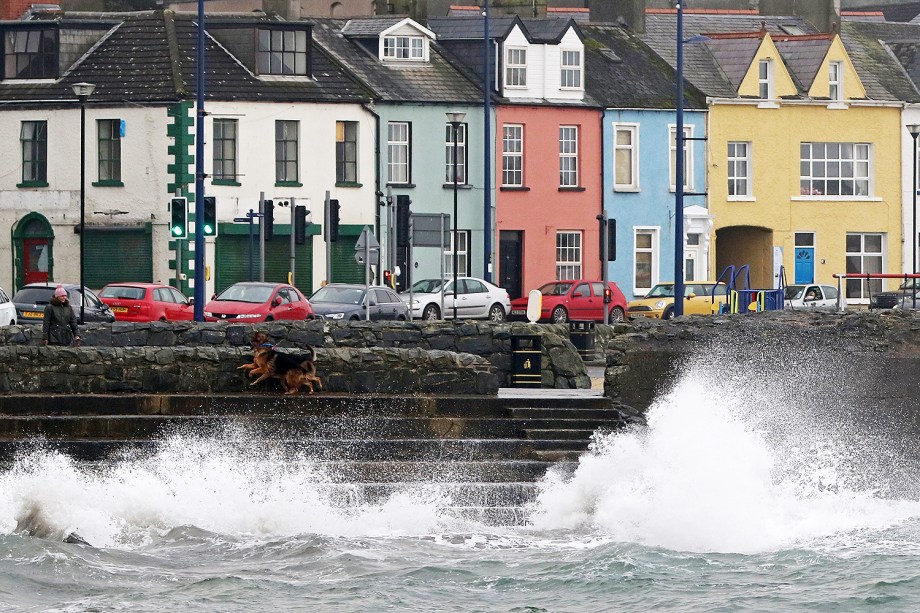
pixel 797 151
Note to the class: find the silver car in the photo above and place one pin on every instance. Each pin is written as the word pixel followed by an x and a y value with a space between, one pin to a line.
pixel 476 299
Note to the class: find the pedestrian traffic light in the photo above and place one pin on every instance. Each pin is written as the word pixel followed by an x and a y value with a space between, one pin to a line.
pixel 608 295
pixel 388 278
pixel 178 214
pixel 209 219
pixel 268 219
pixel 300 224
pixel 402 220
pixel 334 220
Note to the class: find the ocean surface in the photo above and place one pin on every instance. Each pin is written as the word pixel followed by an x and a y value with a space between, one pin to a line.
pixel 734 498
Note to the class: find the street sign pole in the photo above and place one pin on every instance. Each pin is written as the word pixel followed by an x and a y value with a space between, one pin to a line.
pixel 250 216
pixel 261 236
pixel 409 261
pixel 293 245
pixel 326 212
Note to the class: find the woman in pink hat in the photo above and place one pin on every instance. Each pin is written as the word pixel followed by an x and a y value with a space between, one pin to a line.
pixel 59 326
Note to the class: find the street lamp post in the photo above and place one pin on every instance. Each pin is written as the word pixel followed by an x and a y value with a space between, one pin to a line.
pixel 914 130
pixel 679 172
pixel 82 91
pixel 455 119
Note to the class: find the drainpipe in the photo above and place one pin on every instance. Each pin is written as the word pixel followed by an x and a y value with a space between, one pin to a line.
pixel 377 192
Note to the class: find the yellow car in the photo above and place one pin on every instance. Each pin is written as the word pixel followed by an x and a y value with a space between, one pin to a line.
pixel 698 300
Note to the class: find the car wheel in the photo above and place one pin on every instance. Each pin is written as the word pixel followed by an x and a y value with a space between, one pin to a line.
pixel 496 313
pixel 617 314
pixel 269 318
pixel 560 315
pixel 400 318
pixel 668 313
pixel 431 312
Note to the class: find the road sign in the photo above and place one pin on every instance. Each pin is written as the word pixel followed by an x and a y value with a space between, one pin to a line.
pixel 430 230
pixel 368 246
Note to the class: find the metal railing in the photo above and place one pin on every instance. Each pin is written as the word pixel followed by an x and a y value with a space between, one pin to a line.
pixel 841 277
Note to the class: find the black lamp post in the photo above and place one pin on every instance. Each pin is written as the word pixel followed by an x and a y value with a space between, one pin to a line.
pixel 455 119
pixel 82 91
pixel 914 130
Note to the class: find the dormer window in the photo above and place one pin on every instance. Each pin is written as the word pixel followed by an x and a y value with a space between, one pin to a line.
pixel 835 77
pixel 283 52
pixel 30 54
pixel 404 48
pixel 571 70
pixel 766 79
pixel 516 67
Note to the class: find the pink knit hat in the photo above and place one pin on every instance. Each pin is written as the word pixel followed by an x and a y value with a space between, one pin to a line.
pixel 60 292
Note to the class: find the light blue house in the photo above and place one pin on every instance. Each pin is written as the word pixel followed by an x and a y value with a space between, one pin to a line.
pixel 637 90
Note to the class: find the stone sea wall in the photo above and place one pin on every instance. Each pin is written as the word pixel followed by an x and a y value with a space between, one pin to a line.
pixel 418 357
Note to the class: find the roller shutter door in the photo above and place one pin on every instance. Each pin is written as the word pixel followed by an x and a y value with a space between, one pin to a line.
pixel 117 254
pixel 344 267
pixel 232 262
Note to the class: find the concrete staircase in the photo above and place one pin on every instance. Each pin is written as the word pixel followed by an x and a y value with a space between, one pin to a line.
pixel 482 455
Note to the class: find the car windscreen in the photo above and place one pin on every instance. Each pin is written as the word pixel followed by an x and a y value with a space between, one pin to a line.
pixel 246 293
pixel 794 292
pixel 34 295
pixel 661 291
pixel 555 289
pixel 121 291
pixel 426 286
pixel 341 295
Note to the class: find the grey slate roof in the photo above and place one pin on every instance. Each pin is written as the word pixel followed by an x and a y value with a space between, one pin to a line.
pixel 804 58
pixel 371 26
pixel 623 72
pixel 896 12
pixel 470 28
pixel 435 81
pixel 151 57
pixel 548 31
pixel 734 56
pixel 887 80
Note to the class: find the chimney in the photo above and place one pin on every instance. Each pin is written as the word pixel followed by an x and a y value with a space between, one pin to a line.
pixel 14 9
pixel 822 14
pixel 628 13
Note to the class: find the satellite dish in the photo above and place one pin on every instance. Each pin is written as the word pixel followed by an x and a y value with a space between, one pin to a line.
pixel 534 305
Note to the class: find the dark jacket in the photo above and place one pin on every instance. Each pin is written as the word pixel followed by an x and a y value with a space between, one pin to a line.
pixel 59 325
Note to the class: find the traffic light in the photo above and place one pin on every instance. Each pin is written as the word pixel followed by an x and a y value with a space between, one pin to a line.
pixel 608 239
pixel 608 295
pixel 300 224
pixel 209 219
pixel 388 278
pixel 402 220
pixel 178 213
pixel 268 219
pixel 334 220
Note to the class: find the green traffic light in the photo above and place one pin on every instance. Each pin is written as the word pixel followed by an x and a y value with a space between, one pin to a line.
pixel 177 231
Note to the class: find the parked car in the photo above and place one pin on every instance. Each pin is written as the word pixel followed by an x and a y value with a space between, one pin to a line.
pixel 581 299
pixel 476 299
pixel 7 309
pixel 891 300
pixel 147 302
pixel 256 301
pixel 699 299
pixel 810 296
pixel 31 300
pixel 344 301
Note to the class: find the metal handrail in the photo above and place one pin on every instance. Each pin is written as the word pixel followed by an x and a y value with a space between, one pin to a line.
pixel 841 276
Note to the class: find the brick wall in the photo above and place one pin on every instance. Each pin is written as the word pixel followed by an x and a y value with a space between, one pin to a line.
pixel 13 9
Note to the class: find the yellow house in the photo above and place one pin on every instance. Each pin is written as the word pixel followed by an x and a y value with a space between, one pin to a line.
pixel 804 168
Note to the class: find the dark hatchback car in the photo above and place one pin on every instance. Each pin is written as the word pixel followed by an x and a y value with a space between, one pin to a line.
pixel 346 302
pixel 31 300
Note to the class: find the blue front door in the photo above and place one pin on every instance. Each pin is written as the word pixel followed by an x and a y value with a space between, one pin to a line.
pixel 804 265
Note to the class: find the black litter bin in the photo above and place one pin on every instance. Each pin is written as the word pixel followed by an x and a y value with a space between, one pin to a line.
pixel 583 336
pixel 526 360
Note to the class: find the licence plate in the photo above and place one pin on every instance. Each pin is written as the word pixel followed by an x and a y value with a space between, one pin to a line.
pixel 518 312
pixel 120 309
pixel 32 314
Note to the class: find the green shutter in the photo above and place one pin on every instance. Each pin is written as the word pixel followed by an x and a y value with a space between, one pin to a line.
pixel 232 261
pixel 116 254
pixel 344 267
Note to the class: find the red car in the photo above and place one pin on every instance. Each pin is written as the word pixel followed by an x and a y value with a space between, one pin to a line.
pixel 146 302
pixel 255 301
pixel 578 300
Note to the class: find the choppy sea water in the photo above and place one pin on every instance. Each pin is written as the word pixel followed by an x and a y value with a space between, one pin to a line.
pixel 734 498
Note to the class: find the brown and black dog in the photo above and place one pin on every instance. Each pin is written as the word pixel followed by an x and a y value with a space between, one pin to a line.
pixel 295 371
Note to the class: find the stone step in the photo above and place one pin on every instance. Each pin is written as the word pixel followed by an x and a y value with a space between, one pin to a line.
pixel 557 434
pixel 452 495
pixel 489 516
pixel 149 426
pixel 602 414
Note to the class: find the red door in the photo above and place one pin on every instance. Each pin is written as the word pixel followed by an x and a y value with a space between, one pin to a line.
pixel 35 255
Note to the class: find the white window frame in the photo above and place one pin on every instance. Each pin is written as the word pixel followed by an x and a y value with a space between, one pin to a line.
pixel 633 152
pixel 404 48
pixel 765 80
pixel 820 169
pixel 570 76
pixel 835 81
pixel 449 154
pixel 515 72
pixel 688 157
pixel 569 254
pixel 463 254
pixel 862 297
pixel 735 179
pixel 399 170
pixel 513 156
pixel 655 233
pixel 568 156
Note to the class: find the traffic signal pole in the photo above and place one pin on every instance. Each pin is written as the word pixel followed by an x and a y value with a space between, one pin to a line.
pixel 326 235
pixel 261 236
pixel 293 245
